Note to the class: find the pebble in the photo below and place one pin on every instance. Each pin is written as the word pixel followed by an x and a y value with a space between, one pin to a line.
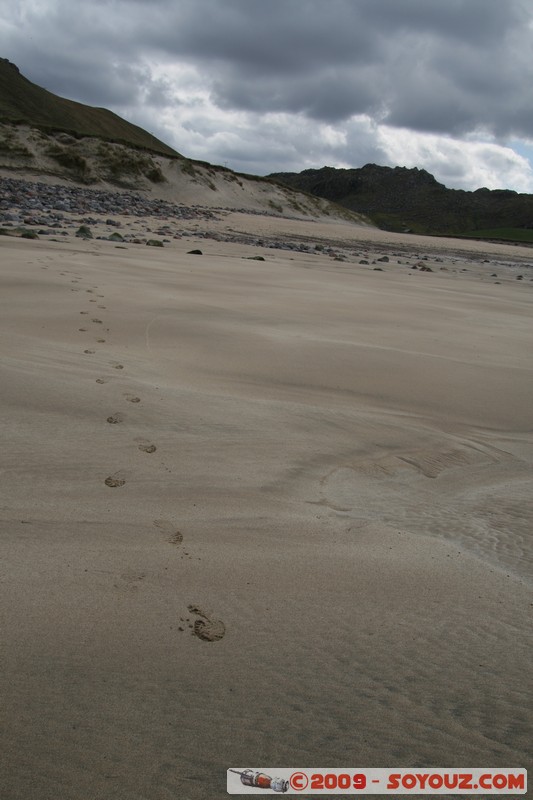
pixel 29 203
pixel 41 198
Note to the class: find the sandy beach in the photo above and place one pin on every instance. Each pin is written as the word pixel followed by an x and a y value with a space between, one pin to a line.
pixel 273 513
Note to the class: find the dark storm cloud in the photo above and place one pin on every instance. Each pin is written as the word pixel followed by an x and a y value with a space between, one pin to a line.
pixel 278 37
pixel 478 22
pixel 323 97
pixel 450 66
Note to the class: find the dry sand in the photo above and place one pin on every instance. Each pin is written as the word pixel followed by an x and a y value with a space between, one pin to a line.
pixel 267 513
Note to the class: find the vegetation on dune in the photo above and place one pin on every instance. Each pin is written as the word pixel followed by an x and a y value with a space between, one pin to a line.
pixel 122 162
pixel 154 174
pixel 85 160
pixel 10 146
pixel 187 167
pixel 71 160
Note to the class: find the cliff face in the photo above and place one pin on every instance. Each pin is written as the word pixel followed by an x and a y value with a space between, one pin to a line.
pixel 397 198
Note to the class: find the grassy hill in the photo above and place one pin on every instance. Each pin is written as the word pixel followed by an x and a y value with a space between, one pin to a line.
pixel 22 101
pixel 403 199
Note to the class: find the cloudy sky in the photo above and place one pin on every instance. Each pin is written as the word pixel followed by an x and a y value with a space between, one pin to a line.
pixel 284 85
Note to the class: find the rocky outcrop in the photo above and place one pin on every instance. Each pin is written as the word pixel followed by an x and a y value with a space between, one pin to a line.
pixel 401 199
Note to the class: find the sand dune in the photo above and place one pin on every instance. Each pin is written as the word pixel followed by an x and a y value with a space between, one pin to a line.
pixel 32 154
pixel 271 513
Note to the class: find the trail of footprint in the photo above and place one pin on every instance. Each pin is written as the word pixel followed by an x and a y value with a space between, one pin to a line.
pixel 205 628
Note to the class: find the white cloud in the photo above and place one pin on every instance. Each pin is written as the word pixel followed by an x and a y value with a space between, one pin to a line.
pixel 459 164
pixel 282 142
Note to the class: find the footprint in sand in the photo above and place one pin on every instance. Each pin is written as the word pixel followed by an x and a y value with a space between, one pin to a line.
pixel 89 352
pixel 148 448
pixel 84 312
pixel 114 419
pixel 173 535
pixel 113 483
pixel 205 628
pixel 101 380
pixel 99 321
pixel 100 341
pixel 132 399
pixel 83 330
pixel 115 365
